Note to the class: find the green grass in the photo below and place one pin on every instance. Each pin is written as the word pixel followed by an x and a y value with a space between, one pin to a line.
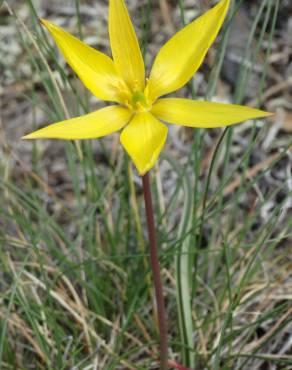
pixel 76 287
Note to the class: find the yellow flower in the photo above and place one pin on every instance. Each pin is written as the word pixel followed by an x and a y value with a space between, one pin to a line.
pixel 122 80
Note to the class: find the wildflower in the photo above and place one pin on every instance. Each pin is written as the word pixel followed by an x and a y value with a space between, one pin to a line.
pixel 140 107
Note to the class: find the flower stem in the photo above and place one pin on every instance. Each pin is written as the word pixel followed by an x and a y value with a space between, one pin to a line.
pixel 156 272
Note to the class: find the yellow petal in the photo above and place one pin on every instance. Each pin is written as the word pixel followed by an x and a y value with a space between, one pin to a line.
pixel 125 47
pixel 95 69
pixel 203 113
pixel 90 126
pixel 182 55
pixel 143 139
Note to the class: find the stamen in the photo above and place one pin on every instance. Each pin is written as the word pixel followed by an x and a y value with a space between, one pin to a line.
pixel 139 102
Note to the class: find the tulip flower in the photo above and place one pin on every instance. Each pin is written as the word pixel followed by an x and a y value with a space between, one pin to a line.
pixel 140 108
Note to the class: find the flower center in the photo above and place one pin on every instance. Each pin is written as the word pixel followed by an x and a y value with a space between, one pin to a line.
pixel 139 102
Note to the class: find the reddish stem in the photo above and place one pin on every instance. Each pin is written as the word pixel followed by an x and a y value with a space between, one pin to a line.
pixel 177 366
pixel 156 272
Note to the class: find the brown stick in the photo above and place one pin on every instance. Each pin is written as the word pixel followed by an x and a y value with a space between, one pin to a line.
pixel 156 272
